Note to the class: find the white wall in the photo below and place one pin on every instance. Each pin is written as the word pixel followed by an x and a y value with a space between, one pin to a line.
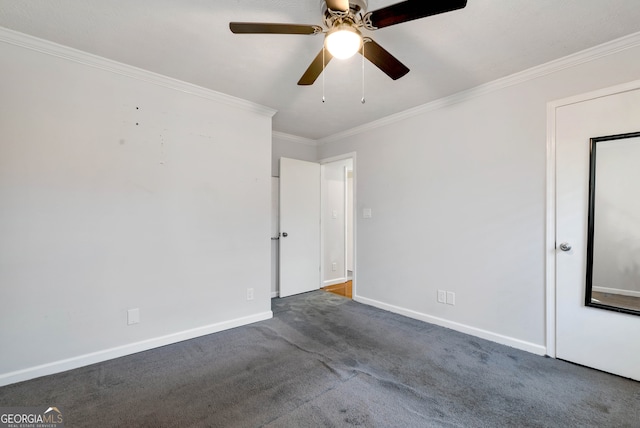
pixel 334 221
pixel 457 192
pixel 289 146
pixel 114 190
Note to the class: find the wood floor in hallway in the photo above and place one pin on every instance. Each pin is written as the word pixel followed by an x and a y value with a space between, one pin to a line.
pixel 345 289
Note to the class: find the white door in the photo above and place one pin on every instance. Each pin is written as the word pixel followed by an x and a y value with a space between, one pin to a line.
pixel 299 226
pixel 602 339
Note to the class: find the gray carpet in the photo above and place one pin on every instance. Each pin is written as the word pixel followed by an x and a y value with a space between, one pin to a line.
pixel 326 361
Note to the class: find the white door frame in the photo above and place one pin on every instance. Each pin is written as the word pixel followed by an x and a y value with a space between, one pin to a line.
pixel 352 156
pixel 550 244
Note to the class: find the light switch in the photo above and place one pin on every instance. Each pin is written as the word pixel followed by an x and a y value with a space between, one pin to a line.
pixel 133 316
pixel 451 298
pixel 366 213
pixel 334 214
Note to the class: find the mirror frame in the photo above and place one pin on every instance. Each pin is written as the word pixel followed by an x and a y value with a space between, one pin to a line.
pixel 593 142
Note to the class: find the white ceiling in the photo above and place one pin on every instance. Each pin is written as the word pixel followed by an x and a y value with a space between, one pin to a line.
pixel 190 40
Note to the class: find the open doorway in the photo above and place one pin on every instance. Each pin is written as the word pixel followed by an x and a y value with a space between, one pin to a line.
pixel 338 225
pixel 336 238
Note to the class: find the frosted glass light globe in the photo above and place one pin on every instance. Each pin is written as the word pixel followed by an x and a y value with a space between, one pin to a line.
pixel 343 41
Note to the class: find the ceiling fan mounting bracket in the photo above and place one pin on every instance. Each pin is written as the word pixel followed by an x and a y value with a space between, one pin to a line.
pixel 352 15
pixel 367 23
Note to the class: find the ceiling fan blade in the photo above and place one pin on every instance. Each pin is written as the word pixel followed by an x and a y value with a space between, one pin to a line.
pixel 382 59
pixel 267 28
pixel 411 9
pixel 338 5
pixel 316 68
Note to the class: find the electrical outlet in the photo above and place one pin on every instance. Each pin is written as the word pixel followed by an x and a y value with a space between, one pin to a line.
pixel 334 266
pixel 249 293
pixel 442 296
pixel 133 316
pixel 451 298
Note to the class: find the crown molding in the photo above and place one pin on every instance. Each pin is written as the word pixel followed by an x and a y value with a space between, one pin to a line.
pixel 64 52
pixel 587 55
pixel 294 138
pixel 71 54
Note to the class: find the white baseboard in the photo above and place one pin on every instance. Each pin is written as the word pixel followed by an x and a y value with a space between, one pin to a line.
pixel 474 331
pixel 274 294
pixel 121 351
pixel 630 293
pixel 334 281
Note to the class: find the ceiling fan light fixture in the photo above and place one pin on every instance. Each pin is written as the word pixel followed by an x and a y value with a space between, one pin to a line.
pixel 343 41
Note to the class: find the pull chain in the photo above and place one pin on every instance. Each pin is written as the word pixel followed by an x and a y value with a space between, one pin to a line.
pixel 323 49
pixel 363 100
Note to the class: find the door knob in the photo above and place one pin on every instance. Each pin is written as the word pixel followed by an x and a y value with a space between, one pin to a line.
pixel 284 234
pixel 565 246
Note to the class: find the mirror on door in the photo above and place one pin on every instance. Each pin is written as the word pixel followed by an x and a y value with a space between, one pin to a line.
pixel 613 244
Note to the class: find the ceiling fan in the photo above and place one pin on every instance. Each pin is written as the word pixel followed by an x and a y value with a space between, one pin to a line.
pixel 343 20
